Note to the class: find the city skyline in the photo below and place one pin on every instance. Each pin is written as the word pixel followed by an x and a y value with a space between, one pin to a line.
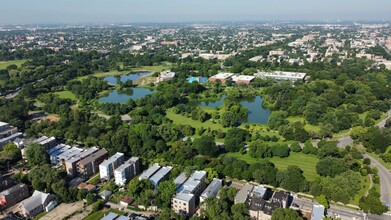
pixel 155 11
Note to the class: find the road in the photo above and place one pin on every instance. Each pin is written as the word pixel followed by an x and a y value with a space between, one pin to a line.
pixel 383 122
pixel 339 212
pixel 385 180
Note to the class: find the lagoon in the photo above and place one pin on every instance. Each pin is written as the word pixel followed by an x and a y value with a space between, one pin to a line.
pixel 133 76
pixel 123 96
pixel 257 114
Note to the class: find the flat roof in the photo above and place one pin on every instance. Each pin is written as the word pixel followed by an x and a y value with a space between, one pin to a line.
pixel 194 180
pixel 93 156
pixel 150 171
pixel 242 195
pixel 110 216
pixel 83 154
pixel 242 77
pixel 112 159
pixel 222 75
pixel 13 136
pixel 212 189
pixel 3 124
pixel 124 166
pixel 184 196
pixel 159 175
pixel 260 190
pixel 69 153
pixel 317 212
pixel 57 147
pixel 180 180
pixel 284 74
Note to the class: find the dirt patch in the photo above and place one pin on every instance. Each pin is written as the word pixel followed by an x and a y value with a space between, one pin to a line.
pixel 53 118
pixel 63 211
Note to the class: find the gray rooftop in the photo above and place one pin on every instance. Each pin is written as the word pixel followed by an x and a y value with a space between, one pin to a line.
pixel 83 154
pixel 150 171
pixel 184 196
pixel 180 179
pixel 212 189
pixel 93 156
pixel 194 180
pixel 36 200
pixel 13 189
pixel 259 190
pixel 69 153
pixel 159 175
pixel 112 159
pixel 242 195
pixel 317 212
pixel 110 216
pixel 127 163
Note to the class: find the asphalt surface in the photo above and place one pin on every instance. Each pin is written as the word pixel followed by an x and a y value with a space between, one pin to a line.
pixel 385 180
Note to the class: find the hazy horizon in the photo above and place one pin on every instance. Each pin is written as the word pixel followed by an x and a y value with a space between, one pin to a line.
pixel 182 11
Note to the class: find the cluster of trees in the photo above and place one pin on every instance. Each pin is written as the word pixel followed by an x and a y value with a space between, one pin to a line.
pixel 260 149
pixel 9 155
pixel 15 111
pixel 87 89
pixel 194 112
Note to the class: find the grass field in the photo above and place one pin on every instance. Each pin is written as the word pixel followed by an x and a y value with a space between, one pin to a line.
pixel 307 126
pixel 180 119
pixel 66 95
pixel 306 162
pixel 18 63
pixel 117 73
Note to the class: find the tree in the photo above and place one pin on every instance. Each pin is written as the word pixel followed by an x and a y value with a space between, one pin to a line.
pixel 372 203
pixel 90 198
pixel 323 201
pixel 37 155
pixel 166 191
pixel 330 166
pixel 228 119
pixel 292 179
pixel 235 138
pixel 206 146
pixel 277 118
pixel 281 150
pixel 295 147
pixel 285 214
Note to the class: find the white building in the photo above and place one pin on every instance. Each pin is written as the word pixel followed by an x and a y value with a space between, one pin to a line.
pixel 150 171
pixel 222 77
pixel 184 201
pixel 211 190
pixel 127 171
pixel 160 176
pixel 166 75
pixel 107 167
pixel 281 75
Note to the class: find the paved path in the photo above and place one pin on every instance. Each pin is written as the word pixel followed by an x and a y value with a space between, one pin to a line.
pixel 383 122
pixel 385 180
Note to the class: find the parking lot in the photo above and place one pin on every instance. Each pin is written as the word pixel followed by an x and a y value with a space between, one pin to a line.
pixel 63 210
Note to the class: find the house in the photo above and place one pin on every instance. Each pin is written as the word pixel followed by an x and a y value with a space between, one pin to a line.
pixel 126 201
pixel 211 190
pixel 127 171
pixel 8 134
pixel 114 216
pixel 276 52
pixel 150 171
pixel 105 194
pixel 160 176
pixel 47 142
pixel 87 187
pixel 107 167
pixel 90 165
pixel 35 204
pixel 6 182
pixel 317 212
pixel 262 208
pixel 222 77
pixel 184 202
pixel 14 195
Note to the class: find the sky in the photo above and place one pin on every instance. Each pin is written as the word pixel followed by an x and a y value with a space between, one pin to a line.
pixel 140 11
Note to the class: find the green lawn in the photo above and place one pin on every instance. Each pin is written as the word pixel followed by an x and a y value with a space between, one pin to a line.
pixel 306 162
pixel 5 64
pixel 116 73
pixel 307 126
pixel 66 95
pixel 180 119
pixel 96 215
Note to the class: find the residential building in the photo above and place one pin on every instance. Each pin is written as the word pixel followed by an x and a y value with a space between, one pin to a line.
pixel 71 163
pixel 14 195
pixel 317 212
pixel 211 190
pixel 150 171
pixel 47 142
pixel 90 165
pixel 107 167
pixel 184 202
pixel 6 182
pixel 180 180
pixel 243 79
pixel 8 134
pixel 222 77
pixel 276 53
pixel 105 194
pixel 242 195
pixel 261 208
pixel 114 216
pixel 160 176
pixel 35 204
pixel 56 151
pixel 127 171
